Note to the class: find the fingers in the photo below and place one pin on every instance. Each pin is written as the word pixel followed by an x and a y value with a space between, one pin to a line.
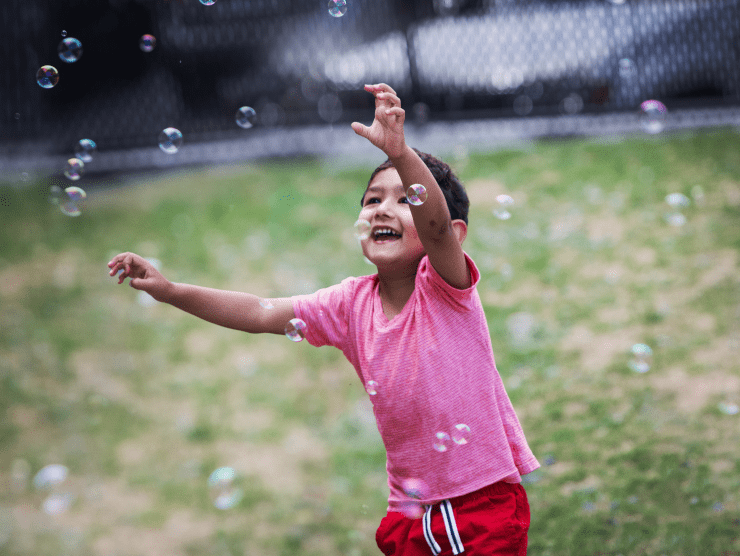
pixel 396 111
pixel 360 129
pixel 379 88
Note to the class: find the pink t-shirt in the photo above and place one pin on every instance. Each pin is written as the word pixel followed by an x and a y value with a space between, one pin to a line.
pixel 434 369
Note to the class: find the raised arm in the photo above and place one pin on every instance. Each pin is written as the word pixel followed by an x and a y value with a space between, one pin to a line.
pixel 440 235
pixel 235 310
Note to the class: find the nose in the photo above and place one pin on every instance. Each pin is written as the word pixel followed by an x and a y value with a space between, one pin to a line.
pixel 384 207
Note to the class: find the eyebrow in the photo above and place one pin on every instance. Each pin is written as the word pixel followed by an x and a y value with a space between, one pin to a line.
pixel 375 188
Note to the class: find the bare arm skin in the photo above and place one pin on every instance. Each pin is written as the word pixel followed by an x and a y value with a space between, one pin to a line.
pixel 235 310
pixel 432 219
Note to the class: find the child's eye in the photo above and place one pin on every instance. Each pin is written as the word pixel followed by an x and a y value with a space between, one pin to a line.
pixel 403 199
pixel 372 200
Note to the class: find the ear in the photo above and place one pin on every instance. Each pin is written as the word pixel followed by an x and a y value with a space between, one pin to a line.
pixel 460 229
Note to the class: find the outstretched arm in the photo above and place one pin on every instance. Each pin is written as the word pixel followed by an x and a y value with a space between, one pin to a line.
pixel 439 234
pixel 236 310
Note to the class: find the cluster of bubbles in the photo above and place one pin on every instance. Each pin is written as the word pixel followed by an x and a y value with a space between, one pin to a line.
pixel 416 194
pixel 642 358
pixel 460 435
pixel 337 8
pixel 652 116
pixel 69 199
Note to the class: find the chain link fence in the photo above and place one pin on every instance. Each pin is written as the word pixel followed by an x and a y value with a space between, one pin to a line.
pixel 298 66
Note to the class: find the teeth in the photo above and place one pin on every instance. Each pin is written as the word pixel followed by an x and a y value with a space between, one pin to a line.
pixel 385 232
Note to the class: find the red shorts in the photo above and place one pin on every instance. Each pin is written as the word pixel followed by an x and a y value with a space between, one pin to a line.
pixel 491 521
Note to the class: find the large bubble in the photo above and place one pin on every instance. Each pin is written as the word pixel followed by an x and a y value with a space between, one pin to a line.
pixel 47 77
pixel 295 330
pixel 70 50
pixel 85 149
pixel 147 43
pixel 652 116
pixel 416 194
pixel 246 117
pixel 170 140
pixel 337 8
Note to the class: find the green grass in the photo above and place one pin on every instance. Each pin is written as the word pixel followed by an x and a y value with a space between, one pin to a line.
pixel 142 403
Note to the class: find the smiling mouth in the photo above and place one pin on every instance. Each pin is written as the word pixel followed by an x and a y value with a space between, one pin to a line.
pixel 384 235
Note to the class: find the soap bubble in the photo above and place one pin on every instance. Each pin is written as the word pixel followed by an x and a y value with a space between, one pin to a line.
pixel 57 195
pixel 70 50
pixel 461 434
pixel 337 8
pixel 85 149
pixel 416 194
pixel 208 2
pixel 74 169
pixel 50 480
pixel 501 211
pixel 676 219
pixel 362 229
pixel 652 116
pixel 642 357
pixel 266 303
pixel 442 441
pixel 74 196
pixel 170 140
pixel 224 494
pixel 416 490
pixel 47 77
pixel 295 330
pixel 523 105
pixel 147 43
pixel 728 408
pixel 64 33
pixel 677 200
pixel 246 117
pixel 371 387
pixel 627 68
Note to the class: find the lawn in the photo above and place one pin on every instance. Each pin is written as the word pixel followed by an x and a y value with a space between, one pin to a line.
pixel 142 403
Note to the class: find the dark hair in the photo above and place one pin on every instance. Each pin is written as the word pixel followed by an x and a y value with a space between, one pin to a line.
pixel 449 183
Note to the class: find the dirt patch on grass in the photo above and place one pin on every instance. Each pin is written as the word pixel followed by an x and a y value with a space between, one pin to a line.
pixel 692 393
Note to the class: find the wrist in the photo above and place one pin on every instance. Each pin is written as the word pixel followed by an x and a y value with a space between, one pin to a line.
pixel 402 154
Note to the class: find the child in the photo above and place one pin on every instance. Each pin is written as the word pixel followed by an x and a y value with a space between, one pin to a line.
pixel 418 339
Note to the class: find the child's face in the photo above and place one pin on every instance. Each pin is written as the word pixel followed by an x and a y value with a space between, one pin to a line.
pixel 386 208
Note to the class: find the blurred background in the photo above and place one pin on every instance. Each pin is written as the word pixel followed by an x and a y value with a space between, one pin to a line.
pixel 598 142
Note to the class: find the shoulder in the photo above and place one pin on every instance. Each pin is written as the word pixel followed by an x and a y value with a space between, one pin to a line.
pixel 427 273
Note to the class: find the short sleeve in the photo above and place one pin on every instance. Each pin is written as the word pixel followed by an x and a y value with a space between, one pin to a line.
pixel 460 299
pixel 326 314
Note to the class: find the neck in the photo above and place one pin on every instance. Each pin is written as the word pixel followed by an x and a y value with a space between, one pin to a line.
pixel 395 289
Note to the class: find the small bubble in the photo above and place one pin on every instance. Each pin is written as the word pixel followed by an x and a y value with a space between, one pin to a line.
pixel 64 33
pixel 416 194
pixel 718 507
pixel 677 200
pixel 652 116
pixel 147 43
pixel 642 357
pixel 371 387
pixel 224 494
pixel 85 149
pixel 246 117
pixel 266 303
pixel 295 330
pixel 47 77
pixel 74 169
pixel 57 195
pixel 170 140
pixel 442 441
pixel 728 408
pixel 502 210
pixel 69 50
pixel 416 490
pixel 70 205
pixel 421 113
pixel 25 177
pixel 337 8
pixel 17 116
pixel 329 107
pixel 208 2
pixel 51 480
pixel 627 68
pixel 549 459
pixel 461 434
pixel 362 229
pixel 675 219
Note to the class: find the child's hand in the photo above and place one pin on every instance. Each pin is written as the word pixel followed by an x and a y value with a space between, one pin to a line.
pixel 386 131
pixel 142 273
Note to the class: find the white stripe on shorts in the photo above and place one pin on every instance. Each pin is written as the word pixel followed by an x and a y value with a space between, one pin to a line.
pixel 426 523
pixel 451 526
